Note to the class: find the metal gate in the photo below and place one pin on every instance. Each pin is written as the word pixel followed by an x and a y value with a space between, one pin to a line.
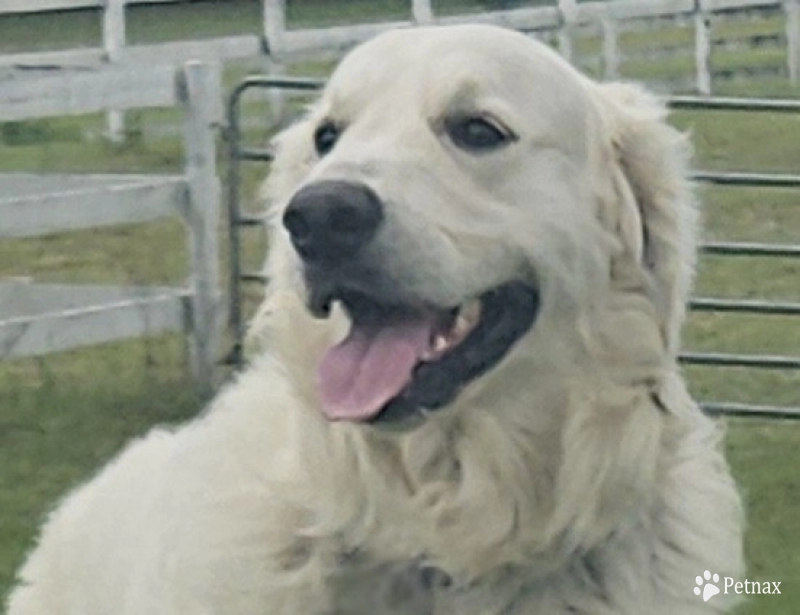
pixel 238 223
pixel 763 308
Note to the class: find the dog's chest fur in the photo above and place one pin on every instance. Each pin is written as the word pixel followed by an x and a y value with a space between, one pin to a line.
pixel 395 589
pixel 362 587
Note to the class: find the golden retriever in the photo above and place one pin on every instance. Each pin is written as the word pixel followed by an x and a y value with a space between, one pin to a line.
pixel 464 397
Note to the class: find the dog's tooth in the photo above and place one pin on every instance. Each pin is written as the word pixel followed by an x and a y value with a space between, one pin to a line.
pixel 467 317
pixel 460 327
pixel 465 321
pixel 440 343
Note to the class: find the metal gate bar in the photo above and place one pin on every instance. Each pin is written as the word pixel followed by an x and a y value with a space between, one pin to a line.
pixel 744 249
pixel 237 153
pixel 750 249
pixel 755 180
pixel 723 359
pixel 236 219
pixel 746 306
pixel 705 103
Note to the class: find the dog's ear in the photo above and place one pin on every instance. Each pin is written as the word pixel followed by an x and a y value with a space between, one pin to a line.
pixel 656 210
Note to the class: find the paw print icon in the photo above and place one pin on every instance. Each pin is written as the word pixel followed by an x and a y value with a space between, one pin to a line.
pixel 706 585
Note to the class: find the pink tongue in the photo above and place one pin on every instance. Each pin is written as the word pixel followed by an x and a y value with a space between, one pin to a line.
pixel 369 367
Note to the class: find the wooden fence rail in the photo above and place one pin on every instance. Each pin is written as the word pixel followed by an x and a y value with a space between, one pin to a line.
pixel 46 6
pixel 116 52
pixel 36 318
pixel 566 22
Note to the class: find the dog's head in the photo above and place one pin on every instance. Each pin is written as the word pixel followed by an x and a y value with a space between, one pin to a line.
pixel 459 196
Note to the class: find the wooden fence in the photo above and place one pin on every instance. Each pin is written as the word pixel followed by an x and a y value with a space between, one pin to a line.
pixel 567 22
pixel 43 6
pixel 114 50
pixel 39 318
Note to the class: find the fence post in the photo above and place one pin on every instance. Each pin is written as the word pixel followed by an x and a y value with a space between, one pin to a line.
pixel 114 45
pixel 200 92
pixel 610 46
pixel 702 48
pixel 568 11
pixel 792 8
pixel 275 25
pixel 275 39
pixel 421 11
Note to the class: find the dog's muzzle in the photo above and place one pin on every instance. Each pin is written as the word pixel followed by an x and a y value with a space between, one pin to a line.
pixel 402 357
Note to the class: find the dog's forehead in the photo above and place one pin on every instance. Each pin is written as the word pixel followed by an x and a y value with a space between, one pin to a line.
pixel 440 63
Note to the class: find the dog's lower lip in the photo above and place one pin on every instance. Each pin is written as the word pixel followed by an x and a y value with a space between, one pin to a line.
pixel 319 303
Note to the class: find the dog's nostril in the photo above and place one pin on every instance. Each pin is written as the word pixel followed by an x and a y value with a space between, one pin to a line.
pixel 332 220
pixel 296 224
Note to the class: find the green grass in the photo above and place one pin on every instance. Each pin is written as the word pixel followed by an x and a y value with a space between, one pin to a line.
pixel 762 455
pixel 62 415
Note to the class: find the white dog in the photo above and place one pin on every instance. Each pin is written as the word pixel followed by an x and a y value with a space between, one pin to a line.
pixel 467 401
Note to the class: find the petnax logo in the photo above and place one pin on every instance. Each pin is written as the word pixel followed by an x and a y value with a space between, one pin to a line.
pixel 708 585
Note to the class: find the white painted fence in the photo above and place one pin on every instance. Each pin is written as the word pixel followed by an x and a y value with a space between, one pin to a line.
pixel 40 318
pixel 43 6
pixel 114 50
pixel 566 20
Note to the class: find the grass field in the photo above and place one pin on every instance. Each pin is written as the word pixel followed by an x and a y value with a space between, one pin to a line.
pixel 62 415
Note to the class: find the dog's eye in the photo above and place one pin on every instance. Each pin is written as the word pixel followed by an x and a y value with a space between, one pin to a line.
pixel 476 134
pixel 325 137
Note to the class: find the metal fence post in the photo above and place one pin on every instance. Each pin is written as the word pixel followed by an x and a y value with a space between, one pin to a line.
pixel 201 95
pixel 114 45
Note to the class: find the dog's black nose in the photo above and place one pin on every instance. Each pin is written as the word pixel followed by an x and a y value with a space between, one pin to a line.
pixel 332 220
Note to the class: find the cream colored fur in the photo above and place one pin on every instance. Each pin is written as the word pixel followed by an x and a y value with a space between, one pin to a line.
pixel 577 477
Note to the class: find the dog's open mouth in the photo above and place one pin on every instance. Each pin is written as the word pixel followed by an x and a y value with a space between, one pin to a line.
pixel 397 361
